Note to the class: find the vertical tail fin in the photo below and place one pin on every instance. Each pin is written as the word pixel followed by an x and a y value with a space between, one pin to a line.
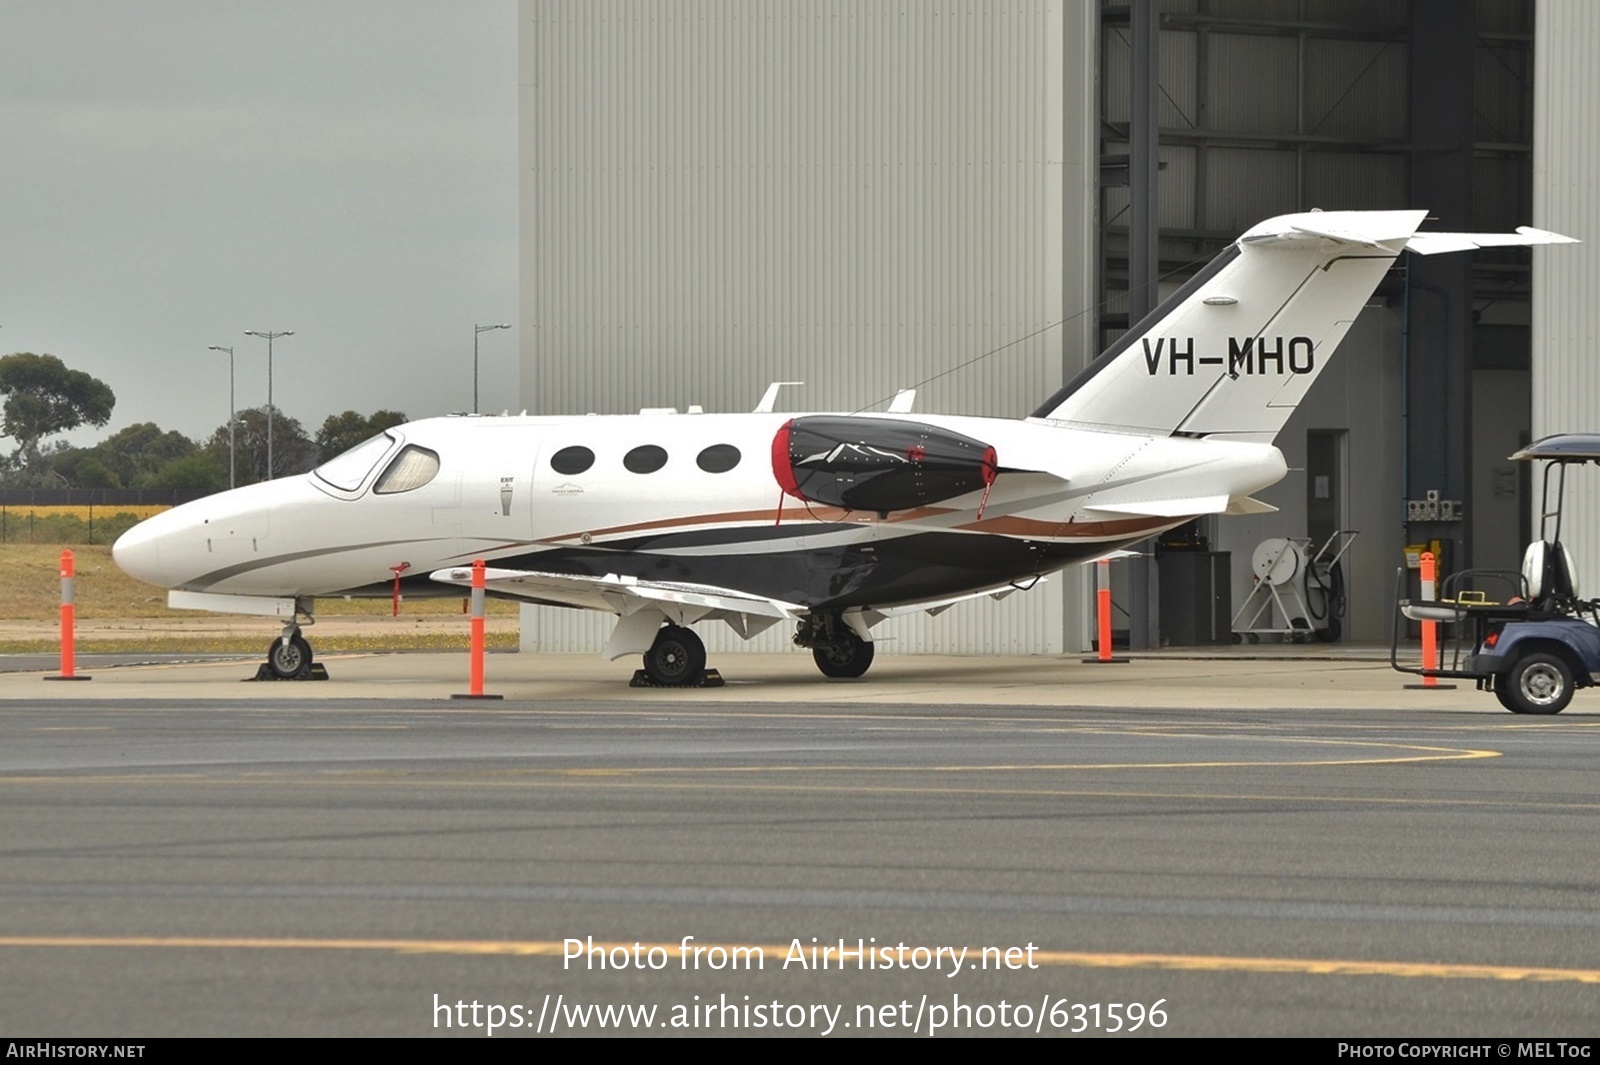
pixel 1233 352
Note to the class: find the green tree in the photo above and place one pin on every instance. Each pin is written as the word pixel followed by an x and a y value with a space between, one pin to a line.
pixel 92 473
pixel 138 453
pixel 341 432
pixel 292 450
pixel 44 397
pixel 198 469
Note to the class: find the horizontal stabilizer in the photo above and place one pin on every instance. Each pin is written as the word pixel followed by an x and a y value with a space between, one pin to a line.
pixel 1369 229
pixel 1437 243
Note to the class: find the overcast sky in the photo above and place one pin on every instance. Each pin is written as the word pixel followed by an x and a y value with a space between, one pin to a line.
pixel 175 172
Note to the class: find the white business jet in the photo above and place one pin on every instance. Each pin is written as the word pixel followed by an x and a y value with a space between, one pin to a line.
pixel 827 522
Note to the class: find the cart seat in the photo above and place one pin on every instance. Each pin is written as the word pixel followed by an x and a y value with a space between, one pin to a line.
pixel 1443 613
pixel 1548 569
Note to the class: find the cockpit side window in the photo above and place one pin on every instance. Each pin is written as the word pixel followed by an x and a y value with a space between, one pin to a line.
pixel 411 469
pixel 349 468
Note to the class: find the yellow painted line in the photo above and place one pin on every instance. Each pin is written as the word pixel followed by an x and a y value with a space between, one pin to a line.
pixel 1057 718
pixel 1436 755
pixel 775 953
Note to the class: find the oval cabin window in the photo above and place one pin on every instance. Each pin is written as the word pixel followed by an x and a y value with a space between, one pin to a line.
pixel 571 460
pixel 646 458
pixel 718 458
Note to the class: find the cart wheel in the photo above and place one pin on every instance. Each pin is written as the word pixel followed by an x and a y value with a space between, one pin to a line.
pixel 1254 638
pixel 1537 683
pixel 1238 637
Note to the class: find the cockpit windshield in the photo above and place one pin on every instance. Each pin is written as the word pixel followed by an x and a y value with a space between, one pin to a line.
pixel 349 469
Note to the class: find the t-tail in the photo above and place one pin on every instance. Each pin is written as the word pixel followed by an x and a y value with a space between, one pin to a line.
pixel 1234 350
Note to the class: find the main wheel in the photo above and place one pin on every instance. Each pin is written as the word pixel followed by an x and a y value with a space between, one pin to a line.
pixel 289 660
pixel 848 656
pixel 677 657
pixel 1537 683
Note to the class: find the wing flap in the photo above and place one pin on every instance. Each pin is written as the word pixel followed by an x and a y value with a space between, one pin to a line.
pixel 936 607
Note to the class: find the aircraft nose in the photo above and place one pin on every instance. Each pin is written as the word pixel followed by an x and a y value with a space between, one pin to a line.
pixel 137 553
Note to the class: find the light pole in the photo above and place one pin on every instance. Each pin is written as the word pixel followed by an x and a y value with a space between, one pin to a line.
pixel 477 331
pixel 232 417
pixel 271 336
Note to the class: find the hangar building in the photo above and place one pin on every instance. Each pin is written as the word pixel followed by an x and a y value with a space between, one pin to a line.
pixel 974 198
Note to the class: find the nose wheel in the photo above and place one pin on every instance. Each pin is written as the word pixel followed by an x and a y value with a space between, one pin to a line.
pixel 289 658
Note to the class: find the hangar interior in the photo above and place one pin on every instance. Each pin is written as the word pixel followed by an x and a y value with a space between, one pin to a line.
pixel 975 199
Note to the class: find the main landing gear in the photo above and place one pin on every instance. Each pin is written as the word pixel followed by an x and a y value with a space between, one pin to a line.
pixel 676 659
pixel 289 657
pixel 837 648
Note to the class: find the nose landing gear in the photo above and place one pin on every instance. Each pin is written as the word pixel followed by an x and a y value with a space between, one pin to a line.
pixel 289 657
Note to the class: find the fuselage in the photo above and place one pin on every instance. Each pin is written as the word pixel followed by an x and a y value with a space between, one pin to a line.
pixel 691 498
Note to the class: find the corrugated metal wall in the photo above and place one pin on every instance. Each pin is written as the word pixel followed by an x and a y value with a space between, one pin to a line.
pixel 1566 315
pixel 718 194
pixel 859 194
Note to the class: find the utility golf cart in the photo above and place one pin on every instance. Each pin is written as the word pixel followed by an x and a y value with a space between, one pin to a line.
pixel 1526 637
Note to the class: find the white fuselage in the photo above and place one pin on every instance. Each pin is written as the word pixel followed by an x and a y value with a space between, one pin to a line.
pixel 686 497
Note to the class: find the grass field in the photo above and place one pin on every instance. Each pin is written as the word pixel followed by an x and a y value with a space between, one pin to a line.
pixel 30 590
pixel 99 524
pixel 41 512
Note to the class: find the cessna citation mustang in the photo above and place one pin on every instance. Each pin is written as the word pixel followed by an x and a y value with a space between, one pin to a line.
pixel 829 522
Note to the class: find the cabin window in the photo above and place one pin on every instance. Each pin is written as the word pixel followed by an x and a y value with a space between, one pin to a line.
pixel 571 460
pixel 349 469
pixel 718 458
pixel 646 458
pixel 411 469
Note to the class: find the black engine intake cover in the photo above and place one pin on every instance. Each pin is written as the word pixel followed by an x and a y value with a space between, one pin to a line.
pixel 878 464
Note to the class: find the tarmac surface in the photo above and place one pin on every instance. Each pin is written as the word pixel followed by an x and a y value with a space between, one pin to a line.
pixel 1282 676
pixel 1269 840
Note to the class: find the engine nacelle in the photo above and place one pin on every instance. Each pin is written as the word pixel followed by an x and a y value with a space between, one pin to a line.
pixel 878 464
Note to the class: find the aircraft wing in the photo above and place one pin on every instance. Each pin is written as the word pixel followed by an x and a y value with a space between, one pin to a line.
pixel 935 607
pixel 619 594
